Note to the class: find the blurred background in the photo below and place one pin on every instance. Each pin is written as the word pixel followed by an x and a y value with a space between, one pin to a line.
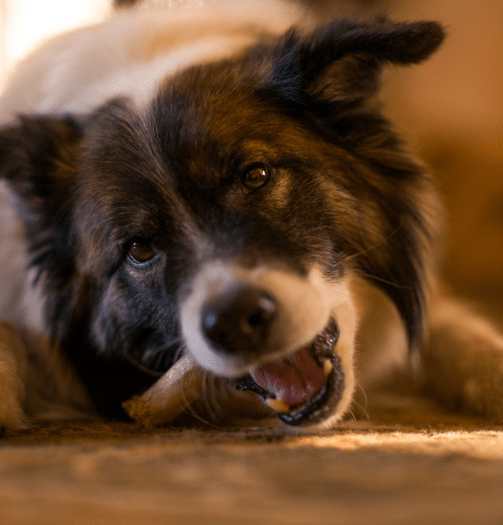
pixel 451 109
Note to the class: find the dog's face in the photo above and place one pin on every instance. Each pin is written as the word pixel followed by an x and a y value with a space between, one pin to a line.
pixel 228 218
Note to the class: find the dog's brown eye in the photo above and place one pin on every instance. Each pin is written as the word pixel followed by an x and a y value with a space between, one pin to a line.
pixel 140 252
pixel 255 178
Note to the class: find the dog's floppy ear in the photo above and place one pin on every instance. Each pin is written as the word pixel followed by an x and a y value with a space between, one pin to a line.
pixel 341 61
pixel 36 158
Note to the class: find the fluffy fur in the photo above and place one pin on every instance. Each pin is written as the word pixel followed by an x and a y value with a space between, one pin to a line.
pixel 212 182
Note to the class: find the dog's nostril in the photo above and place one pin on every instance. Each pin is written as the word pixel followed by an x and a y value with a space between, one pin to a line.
pixel 239 320
pixel 259 315
pixel 256 319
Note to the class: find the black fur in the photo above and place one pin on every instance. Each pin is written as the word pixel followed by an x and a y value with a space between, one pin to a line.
pixel 302 107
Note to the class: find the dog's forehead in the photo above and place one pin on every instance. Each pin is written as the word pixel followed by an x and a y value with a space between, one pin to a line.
pixel 212 113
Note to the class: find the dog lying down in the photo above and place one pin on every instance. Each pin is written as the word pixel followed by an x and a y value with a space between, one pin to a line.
pixel 202 205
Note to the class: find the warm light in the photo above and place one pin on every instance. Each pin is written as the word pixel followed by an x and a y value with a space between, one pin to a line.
pixel 27 23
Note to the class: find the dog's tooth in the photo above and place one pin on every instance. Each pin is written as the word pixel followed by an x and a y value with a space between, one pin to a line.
pixel 278 405
pixel 327 367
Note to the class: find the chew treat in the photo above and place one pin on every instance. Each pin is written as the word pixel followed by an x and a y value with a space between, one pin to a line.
pixel 175 391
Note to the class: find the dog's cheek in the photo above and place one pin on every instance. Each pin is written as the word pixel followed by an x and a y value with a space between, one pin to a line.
pixel 121 307
pixel 131 321
pixel 108 320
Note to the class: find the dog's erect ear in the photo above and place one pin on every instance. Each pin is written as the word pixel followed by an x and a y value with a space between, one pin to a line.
pixel 341 61
pixel 37 155
pixel 332 74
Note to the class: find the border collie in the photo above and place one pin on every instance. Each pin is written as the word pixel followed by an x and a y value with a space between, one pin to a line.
pixel 217 188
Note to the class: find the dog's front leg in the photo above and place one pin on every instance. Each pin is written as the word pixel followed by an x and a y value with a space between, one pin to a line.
pixel 12 372
pixel 463 359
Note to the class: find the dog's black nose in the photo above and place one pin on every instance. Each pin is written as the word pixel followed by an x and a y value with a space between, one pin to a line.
pixel 239 320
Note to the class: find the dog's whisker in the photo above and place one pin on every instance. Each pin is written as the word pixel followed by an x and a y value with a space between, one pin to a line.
pixel 206 402
pixel 358 385
pixel 142 367
pixel 180 348
pixel 166 345
pixel 380 243
pixel 380 279
pixel 351 413
pixel 362 408
pixel 189 406
pixel 218 397
pixel 193 413
pixel 208 395
pixel 180 351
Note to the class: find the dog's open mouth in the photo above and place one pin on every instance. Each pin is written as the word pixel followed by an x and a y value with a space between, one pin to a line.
pixel 303 387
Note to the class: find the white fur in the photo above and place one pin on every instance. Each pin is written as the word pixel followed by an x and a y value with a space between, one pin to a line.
pixel 131 53
pixel 382 337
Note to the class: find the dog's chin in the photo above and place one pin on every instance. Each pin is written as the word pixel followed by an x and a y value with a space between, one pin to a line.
pixel 306 388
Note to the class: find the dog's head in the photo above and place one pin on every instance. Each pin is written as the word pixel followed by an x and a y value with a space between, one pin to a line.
pixel 228 218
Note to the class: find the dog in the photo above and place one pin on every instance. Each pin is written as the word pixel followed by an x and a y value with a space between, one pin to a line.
pixel 221 183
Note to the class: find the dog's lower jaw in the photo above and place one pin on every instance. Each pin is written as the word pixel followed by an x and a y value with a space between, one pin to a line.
pixel 336 407
pixel 334 416
pixel 329 406
pixel 347 315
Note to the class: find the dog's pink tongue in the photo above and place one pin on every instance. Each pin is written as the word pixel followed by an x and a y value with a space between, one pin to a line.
pixel 293 380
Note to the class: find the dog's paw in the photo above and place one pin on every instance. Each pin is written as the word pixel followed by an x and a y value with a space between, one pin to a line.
pixel 464 361
pixel 12 358
pixel 11 413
